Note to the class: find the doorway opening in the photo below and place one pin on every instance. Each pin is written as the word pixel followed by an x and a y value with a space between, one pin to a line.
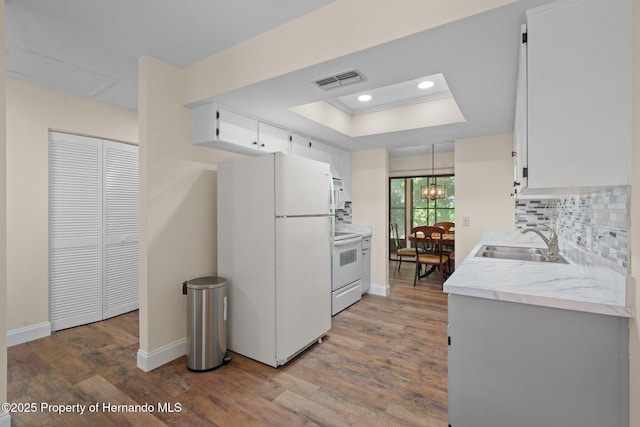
pixel 407 209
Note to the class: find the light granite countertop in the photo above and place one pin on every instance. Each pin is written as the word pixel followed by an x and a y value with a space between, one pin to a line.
pixel 574 286
pixel 365 230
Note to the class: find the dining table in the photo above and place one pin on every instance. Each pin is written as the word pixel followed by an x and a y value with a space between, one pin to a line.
pixel 448 239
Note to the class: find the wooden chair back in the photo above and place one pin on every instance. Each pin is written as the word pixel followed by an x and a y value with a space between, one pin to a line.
pixel 429 238
pixel 446 225
pixel 393 228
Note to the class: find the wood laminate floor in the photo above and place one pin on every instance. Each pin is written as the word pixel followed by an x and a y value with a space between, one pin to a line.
pixel 384 363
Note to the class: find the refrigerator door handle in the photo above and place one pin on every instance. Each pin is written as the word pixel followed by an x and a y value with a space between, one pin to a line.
pixel 332 207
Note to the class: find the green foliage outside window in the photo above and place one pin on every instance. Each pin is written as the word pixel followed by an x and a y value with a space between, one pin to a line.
pixel 423 211
pixel 397 204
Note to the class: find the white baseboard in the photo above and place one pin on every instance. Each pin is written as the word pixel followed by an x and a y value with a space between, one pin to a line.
pixel 382 290
pixel 165 354
pixel 28 333
pixel 5 419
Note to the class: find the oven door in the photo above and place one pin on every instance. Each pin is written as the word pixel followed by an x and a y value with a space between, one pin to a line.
pixel 346 262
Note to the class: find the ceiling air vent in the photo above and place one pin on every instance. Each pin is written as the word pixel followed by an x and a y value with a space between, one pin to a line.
pixel 341 79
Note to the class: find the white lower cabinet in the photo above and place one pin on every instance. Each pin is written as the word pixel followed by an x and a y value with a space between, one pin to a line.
pixel 366 265
pixel 520 365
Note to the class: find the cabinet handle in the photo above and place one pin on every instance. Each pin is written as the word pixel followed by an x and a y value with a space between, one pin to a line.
pixel 254 143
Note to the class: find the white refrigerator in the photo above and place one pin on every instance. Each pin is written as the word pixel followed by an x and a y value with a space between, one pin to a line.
pixel 274 249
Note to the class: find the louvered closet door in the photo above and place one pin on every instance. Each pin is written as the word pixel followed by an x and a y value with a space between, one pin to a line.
pixel 121 228
pixel 75 230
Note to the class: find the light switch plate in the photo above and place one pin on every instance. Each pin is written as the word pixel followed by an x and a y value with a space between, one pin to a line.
pixel 466 221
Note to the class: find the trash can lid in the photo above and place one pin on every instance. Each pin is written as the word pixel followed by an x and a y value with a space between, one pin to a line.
pixel 206 282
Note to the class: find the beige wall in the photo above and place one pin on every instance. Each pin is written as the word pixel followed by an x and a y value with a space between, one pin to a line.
pixel 178 235
pixel 177 204
pixel 370 188
pixel 31 112
pixel 484 177
pixel 3 229
pixel 634 331
pixel 338 29
pixel 443 163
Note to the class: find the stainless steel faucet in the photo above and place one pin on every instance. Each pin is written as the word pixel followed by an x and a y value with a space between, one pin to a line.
pixel 552 241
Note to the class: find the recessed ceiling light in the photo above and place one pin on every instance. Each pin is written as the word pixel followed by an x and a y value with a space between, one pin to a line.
pixel 426 84
pixel 364 98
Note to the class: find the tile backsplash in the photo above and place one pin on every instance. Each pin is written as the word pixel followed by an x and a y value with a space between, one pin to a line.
pixel 595 223
pixel 344 215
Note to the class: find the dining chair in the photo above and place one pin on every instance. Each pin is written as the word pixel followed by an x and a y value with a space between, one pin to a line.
pixel 401 251
pixel 429 239
pixel 448 247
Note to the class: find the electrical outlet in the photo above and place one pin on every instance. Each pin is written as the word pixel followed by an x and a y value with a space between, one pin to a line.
pixel 466 221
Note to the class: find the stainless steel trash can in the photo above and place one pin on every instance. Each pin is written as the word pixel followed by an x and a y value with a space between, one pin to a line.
pixel 206 322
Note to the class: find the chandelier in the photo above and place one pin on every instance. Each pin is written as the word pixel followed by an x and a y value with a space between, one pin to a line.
pixel 433 191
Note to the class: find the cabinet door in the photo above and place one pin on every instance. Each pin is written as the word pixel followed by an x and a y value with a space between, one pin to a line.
pixel 578 55
pixel 520 125
pixel 333 156
pixel 300 146
pixel 237 129
pixel 204 123
pixel 318 151
pixel 345 172
pixel 272 139
pixel 503 356
pixel 365 284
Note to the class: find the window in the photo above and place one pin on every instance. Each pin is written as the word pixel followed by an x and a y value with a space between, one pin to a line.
pixel 397 205
pixel 408 209
pixel 428 212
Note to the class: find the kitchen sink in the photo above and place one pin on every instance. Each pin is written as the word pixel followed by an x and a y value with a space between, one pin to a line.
pixel 517 253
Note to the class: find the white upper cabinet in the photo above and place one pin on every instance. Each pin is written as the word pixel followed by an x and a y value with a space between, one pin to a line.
pixel 345 173
pixel 339 160
pixel 318 151
pixel 204 124
pixel 333 156
pixel 578 96
pixel 217 127
pixel 237 129
pixel 520 125
pixel 272 139
pixel 300 146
